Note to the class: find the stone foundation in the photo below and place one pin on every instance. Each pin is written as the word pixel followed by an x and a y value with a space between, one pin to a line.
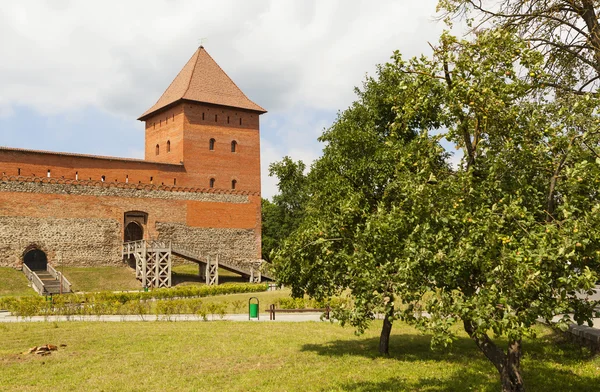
pixel 235 246
pixel 83 242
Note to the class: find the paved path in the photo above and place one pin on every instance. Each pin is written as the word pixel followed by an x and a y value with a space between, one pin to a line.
pixel 6 317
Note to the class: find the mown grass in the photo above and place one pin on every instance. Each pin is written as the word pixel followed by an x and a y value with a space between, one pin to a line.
pixel 217 356
pixel 187 274
pixel 94 279
pixel 91 279
pixel 13 282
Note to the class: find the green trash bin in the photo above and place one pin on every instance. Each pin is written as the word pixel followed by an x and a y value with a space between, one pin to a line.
pixel 253 309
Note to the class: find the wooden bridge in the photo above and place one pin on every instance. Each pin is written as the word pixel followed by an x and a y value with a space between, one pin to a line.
pixel 153 263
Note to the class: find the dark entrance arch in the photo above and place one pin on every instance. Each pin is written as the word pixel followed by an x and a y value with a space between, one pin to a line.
pixel 133 232
pixel 35 259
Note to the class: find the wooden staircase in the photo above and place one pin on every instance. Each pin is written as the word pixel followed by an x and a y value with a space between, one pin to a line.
pixel 48 281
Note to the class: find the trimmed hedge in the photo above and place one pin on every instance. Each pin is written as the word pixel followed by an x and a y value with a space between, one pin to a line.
pixel 307 303
pixel 169 301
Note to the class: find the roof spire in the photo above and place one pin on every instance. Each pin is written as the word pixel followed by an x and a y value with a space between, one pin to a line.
pixel 202 80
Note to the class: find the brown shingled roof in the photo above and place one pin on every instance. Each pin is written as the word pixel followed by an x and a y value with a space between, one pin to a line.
pixel 202 80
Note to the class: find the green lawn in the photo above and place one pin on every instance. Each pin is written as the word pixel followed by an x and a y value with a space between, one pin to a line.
pixel 14 282
pixel 123 278
pixel 101 278
pixel 218 356
pixel 187 273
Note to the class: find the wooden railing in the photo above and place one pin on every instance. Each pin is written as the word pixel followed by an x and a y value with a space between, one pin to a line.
pixel 65 285
pixel 36 282
pixel 132 247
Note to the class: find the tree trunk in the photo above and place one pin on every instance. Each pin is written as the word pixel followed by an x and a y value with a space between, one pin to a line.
pixel 384 338
pixel 511 375
pixel 509 366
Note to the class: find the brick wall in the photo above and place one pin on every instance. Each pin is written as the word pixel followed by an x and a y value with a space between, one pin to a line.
pixel 83 224
pixel 25 163
pixel 222 164
pixel 162 128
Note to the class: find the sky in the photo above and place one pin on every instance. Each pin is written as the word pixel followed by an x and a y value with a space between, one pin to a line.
pixel 75 75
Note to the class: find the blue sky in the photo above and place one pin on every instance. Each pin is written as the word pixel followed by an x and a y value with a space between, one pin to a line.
pixel 75 75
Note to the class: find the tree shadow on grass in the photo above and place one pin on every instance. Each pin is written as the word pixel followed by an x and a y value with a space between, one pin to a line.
pixel 178 278
pixel 548 364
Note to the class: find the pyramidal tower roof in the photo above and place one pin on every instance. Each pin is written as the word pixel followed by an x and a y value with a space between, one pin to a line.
pixel 202 80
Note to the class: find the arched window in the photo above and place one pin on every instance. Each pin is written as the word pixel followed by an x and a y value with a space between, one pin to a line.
pixel 168 146
pixel 233 184
pixel 233 146
pixel 212 182
pixel 211 144
pixel 157 149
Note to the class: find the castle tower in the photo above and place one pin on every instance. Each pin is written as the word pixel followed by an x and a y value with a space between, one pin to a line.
pixel 204 121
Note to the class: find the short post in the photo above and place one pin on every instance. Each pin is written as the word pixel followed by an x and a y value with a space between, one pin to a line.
pixel 253 312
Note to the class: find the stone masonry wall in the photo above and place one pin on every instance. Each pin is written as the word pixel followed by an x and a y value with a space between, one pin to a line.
pixel 234 246
pixel 80 224
pixel 113 190
pixel 84 242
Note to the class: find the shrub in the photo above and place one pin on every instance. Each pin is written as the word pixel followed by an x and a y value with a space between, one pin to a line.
pixel 121 303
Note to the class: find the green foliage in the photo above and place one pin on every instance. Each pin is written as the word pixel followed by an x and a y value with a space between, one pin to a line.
pixel 566 32
pixel 371 160
pixel 507 238
pixel 285 213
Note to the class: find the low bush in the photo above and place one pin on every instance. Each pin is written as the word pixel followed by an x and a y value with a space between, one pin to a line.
pixel 307 303
pixel 126 302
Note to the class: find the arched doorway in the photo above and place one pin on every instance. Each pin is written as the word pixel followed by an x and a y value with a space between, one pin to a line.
pixel 35 259
pixel 133 232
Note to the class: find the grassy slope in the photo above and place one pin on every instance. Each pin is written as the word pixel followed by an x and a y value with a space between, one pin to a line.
pixel 266 357
pixel 184 274
pixel 14 282
pixel 123 278
pixel 101 278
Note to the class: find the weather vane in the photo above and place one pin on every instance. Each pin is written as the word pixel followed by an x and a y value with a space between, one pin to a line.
pixel 202 41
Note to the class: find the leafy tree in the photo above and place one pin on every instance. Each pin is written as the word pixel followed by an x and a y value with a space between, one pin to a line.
pixel 285 213
pixel 349 186
pixel 567 32
pixel 271 227
pixel 512 235
pixel 509 237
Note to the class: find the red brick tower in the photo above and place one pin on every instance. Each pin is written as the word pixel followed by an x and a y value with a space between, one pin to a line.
pixel 206 122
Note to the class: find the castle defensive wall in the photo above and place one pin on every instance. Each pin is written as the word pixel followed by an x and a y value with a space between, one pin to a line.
pixel 198 185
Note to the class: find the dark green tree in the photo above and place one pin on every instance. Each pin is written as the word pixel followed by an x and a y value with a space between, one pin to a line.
pixel 507 238
pixel 366 152
pixel 283 215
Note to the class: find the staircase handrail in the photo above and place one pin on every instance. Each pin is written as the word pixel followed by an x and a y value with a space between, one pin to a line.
pixel 36 282
pixel 65 284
